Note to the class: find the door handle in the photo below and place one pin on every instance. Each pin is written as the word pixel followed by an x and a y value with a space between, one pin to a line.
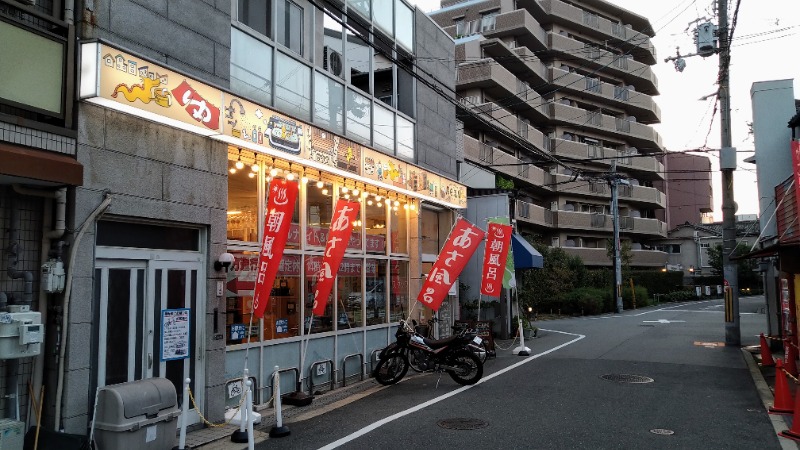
pixel 149 360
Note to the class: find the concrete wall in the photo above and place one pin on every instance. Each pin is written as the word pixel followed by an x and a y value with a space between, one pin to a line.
pixel 436 116
pixel 773 106
pixel 193 36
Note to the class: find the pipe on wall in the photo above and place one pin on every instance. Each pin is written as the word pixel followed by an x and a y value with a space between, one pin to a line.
pixel 101 208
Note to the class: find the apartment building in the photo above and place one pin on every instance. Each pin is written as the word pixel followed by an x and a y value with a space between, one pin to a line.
pixel 139 140
pixel 555 95
pixel 687 184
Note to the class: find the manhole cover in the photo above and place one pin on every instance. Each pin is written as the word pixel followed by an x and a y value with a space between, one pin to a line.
pixel 624 378
pixel 462 423
pixel 662 431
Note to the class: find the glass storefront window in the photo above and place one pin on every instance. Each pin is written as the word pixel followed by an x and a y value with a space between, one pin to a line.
pixel 241 279
pixel 316 324
pixel 398 293
pixel 398 217
pixel 405 138
pixel 375 292
pixel 293 239
pixel 404 25
pixel 282 316
pixel 359 117
pixel 319 209
pixel 375 224
pixel 350 304
pixel 251 67
pixel 242 201
pixel 292 86
pixel 384 128
pixel 328 103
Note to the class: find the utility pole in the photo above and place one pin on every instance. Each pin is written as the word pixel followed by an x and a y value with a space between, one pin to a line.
pixel 615 219
pixel 727 166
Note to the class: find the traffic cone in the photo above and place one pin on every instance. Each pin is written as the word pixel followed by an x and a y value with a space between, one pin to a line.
pixel 766 354
pixel 783 396
pixel 794 432
pixel 791 357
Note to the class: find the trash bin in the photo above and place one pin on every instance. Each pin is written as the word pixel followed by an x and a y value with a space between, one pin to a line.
pixel 137 415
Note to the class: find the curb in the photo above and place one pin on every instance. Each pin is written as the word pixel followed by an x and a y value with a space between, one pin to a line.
pixel 778 422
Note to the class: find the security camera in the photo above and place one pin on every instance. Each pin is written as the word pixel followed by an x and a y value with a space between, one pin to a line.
pixel 223 262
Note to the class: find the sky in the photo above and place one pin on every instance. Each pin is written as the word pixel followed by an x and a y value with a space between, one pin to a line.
pixel 764 47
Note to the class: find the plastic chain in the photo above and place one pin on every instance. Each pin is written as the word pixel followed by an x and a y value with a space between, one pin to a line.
pixel 217 425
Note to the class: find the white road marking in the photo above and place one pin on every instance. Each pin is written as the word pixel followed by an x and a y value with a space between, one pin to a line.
pixel 382 422
pixel 664 321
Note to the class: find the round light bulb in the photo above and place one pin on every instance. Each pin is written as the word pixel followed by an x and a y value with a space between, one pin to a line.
pixel 320 184
pixel 251 175
pixel 239 165
pixel 305 180
pixel 254 168
pixel 396 203
pixel 347 196
pixel 379 204
pixel 378 197
pixel 364 194
pixel 369 202
pixel 344 189
pixel 290 176
pixel 413 207
pixel 325 191
pixel 355 191
pixel 405 206
pixel 273 172
pixel 232 170
pixel 395 208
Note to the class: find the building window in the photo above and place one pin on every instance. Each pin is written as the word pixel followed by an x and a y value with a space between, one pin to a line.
pixel 328 103
pixel 362 6
pixel 488 21
pixel 384 15
pixel 324 322
pixel 375 292
pixel 384 128
pixel 429 231
pixel 398 235
pixel 350 305
pixel 290 26
pixel 359 117
pixel 242 198
pixel 404 25
pixel 359 55
pixel 375 224
pixel 292 86
pixel 398 293
pixel 256 14
pixel 319 209
pixel 251 67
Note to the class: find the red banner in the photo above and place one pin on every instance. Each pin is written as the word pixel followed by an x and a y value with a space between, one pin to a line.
pixel 498 238
pixel 344 215
pixel 280 208
pixel 796 164
pixel 460 245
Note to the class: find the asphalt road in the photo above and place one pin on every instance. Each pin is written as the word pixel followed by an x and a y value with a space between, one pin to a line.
pixel 702 395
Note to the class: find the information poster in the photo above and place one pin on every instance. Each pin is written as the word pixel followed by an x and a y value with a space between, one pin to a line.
pixel 174 334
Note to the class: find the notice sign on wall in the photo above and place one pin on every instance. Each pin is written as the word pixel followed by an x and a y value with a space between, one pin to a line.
pixel 174 334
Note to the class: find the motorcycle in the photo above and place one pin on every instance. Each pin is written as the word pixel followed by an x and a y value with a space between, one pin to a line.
pixel 451 355
pixel 417 358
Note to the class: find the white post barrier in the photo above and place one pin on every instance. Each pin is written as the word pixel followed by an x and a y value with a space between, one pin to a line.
pixel 521 350
pixel 240 436
pixel 278 430
pixel 184 414
pixel 249 405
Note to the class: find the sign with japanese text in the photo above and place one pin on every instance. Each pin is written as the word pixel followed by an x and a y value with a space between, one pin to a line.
pixel 135 82
pixel 344 215
pixel 174 334
pixel 498 239
pixel 334 151
pixel 280 208
pixel 509 278
pixel 462 242
pixel 262 126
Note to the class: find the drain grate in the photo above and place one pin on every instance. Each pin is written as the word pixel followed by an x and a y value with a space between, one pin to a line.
pixel 662 432
pixel 463 423
pixel 624 378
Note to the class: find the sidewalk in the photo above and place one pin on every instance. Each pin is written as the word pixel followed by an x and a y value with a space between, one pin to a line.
pixel 764 379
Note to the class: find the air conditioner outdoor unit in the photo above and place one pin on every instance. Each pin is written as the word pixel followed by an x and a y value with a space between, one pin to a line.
pixel 332 61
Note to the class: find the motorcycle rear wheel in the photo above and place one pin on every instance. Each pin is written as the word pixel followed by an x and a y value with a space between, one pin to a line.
pixel 469 368
pixel 391 369
pixel 480 351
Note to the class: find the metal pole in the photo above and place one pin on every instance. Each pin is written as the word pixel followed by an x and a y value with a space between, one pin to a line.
pixel 730 269
pixel 184 414
pixel 615 220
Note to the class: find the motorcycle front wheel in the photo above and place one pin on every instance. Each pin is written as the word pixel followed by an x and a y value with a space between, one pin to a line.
pixel 468 368
pixel 391 369
pixel 416 359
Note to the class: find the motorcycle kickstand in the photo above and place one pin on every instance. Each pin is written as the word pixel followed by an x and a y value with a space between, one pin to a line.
pixel 438 380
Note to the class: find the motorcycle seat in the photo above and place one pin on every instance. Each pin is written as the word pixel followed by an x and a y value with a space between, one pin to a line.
pixel 439 343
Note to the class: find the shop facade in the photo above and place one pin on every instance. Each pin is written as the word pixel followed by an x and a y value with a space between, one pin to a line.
pixel 179 159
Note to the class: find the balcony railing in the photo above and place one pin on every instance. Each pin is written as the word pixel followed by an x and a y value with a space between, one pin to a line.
pixel 486 153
